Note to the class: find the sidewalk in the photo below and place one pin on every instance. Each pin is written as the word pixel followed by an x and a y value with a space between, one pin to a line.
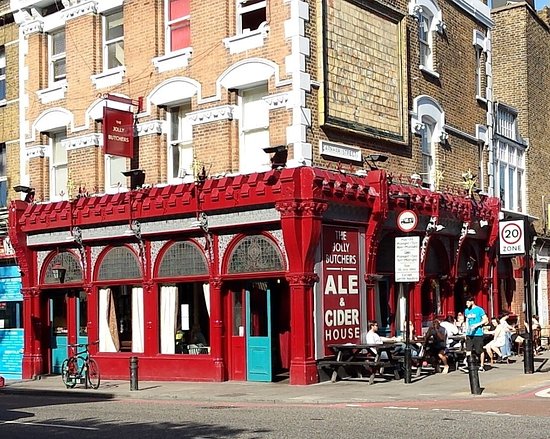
pixel 503 380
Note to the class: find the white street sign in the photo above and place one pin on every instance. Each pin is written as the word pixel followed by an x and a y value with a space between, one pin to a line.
pixel 407 259
pixel 511 237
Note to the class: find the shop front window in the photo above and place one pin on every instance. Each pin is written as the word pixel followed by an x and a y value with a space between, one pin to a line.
pixel 11 315
pixel 59 315
pixel 185 318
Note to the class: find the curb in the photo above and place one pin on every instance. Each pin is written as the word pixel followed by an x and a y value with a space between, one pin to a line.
pixel 57 393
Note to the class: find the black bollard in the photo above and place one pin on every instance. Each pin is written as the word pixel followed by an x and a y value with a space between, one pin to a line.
pixel 473 374
pixel 134 373
pixel 407 364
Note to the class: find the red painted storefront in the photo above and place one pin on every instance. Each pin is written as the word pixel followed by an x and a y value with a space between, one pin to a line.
pixel 143 253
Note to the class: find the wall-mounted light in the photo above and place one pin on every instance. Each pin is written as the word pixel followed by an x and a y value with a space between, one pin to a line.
pixel 137 177
pixel 29 191
pixel 279 157
pixel 58 272
pixel 372 159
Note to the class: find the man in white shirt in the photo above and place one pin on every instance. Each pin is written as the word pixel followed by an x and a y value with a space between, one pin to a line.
pixel 451 329
pixel 374 338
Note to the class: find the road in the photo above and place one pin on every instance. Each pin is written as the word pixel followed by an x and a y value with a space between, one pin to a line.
pixel 24 416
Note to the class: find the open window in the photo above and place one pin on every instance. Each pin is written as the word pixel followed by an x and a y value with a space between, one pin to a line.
pixel 180 146
pixel 250 15
pixel 56 52
pixel 113 40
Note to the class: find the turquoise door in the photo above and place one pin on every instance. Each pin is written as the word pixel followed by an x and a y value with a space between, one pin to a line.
pixel 258 335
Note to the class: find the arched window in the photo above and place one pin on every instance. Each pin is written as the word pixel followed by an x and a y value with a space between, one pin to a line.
pixel 429 18
pixel 183 259
pixel 71 264
pixel 119 263
pixel 253 254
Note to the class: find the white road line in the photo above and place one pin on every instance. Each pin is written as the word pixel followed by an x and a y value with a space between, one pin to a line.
pixel 401 408
pixel 39 424
pixel 543 393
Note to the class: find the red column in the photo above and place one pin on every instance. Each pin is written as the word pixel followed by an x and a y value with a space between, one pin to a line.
pixel 151 316
pixel 216 325
pixel 33 363
pixel 301 223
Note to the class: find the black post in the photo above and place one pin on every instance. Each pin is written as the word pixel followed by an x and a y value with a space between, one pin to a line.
pixel 473 374
pixel 528 360
pixel 408 357
pixel 134 373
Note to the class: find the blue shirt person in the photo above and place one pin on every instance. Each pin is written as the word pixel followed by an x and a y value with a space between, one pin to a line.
pixel 475 318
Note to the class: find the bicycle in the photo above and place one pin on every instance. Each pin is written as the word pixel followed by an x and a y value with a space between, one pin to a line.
pixel 80 368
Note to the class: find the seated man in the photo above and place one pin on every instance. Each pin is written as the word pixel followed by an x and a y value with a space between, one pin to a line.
pixel 374 338
pixel 435 343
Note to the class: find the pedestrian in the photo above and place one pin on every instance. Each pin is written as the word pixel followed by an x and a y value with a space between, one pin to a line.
pixel 475 318
pixel 435 344
pixel 451 329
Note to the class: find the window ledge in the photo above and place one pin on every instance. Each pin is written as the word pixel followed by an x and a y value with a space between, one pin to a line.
pixel 481 99
pixel 248 40
pixel 109 77
pixel 428 71
pixel 53 93
pixel 173 60
pixel 3 102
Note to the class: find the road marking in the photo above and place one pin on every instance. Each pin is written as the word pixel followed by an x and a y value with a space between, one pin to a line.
pixel 38 424
pixel 543 393
pixel 401 408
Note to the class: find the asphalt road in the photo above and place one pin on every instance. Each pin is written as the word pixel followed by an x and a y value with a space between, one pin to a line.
pixel 24 416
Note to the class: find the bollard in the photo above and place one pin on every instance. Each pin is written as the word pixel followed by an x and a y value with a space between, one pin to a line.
pixel 473 374
pixel 407 364
pixel 134 373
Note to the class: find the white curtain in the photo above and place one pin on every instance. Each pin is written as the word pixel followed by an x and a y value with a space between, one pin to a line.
pixel 206 291
pixel 137 320
pixel 106 341
pixel 168 313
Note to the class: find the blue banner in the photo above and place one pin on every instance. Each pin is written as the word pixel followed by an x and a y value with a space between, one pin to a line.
pixel 11 353
pixel 10 284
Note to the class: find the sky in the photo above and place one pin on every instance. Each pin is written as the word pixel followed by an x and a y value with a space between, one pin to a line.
pixel 539 4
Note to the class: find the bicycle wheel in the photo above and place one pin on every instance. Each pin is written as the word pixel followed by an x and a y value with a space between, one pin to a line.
pixel 93 373
pixel 69 370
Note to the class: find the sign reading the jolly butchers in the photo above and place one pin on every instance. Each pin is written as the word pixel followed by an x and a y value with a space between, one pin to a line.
pixel 118 132
pixel 340 285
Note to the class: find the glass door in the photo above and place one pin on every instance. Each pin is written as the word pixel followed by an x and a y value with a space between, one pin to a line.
pixel 258 335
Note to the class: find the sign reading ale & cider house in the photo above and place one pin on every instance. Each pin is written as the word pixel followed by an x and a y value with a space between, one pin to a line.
pixel 118 132
pixel 340 285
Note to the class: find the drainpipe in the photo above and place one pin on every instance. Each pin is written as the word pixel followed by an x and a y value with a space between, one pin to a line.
pixel 490 117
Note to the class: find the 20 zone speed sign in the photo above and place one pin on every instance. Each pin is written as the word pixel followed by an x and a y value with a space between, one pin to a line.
pixel 511 237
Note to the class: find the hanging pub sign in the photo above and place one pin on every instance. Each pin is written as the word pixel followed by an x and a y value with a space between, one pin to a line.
pixel 118 132
pixel 340 286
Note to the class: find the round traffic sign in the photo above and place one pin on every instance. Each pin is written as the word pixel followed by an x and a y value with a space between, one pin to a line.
pixel 407 220
pixel 511 233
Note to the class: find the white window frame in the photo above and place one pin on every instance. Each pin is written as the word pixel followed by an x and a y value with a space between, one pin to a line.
pixel 56 166
pixel 479 72
pixel 107 43
pixel 55 58
pixel 510 173
pixel 253 159
pixel 3 160
pixel 425 40
pixel 507 120
pixel 170 23
pixel 3 71
pixel 120 184
pixel 183 142
pixel 242 10
pixel 427 150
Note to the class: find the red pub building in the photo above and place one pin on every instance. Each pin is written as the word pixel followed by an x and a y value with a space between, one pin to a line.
pixel 242 278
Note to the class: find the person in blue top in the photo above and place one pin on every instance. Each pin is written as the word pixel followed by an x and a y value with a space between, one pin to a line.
pixel 475 318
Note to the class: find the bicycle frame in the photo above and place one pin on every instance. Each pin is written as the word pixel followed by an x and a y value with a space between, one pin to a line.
pixel 76 368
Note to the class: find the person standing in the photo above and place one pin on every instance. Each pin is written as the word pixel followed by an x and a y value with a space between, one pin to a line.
pixel 475 318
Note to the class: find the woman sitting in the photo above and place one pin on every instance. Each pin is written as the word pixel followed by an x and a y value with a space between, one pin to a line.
pixel 435 343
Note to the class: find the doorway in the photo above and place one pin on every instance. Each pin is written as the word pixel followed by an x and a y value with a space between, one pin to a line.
pixel 68 315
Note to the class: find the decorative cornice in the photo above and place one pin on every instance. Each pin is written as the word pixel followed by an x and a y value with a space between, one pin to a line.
pixel 277 100
pixel 150 127
pixel 79 10
pixel 302 279
pixel 82 142
pixel 36 151
pixel 224 112
pixel 32 27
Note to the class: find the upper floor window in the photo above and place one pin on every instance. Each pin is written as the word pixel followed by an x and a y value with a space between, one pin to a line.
pixel 250 15
pixel 3 177
pixel 178 31
pixel 425 40
pixel 3 159
pixel 510 175
pixel 2 73
pixel 113 40
pixel 479 72
pixel 254 129
pixel 180 154
pixel 480 43
pixel 57 61
pixel 507 122
pixel 58 167
pixel 114 179
pixel 427 150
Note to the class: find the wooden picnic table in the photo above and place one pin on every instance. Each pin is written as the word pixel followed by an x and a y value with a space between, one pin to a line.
pixel 374 359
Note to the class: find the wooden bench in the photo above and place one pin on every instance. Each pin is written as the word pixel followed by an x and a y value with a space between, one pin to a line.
pixel 356 368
